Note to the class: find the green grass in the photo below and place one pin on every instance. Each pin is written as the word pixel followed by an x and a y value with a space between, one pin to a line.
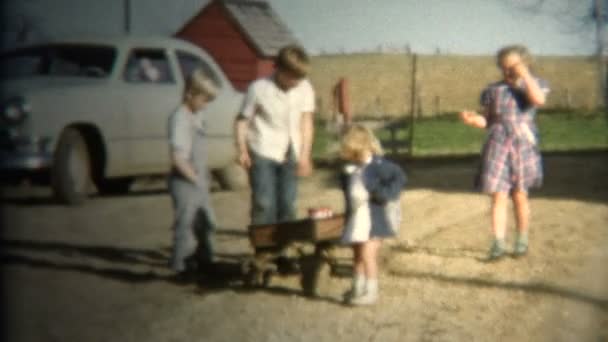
pixel 322 141
pixel 446 135
pixel 568 131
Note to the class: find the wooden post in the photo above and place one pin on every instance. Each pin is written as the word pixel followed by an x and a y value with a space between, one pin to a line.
pixel 599 29
pixel 437 105
pixel 127 16
pixel 413 93
pixel 394 143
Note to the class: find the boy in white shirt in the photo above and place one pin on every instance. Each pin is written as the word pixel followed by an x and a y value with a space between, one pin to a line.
pixel 274 133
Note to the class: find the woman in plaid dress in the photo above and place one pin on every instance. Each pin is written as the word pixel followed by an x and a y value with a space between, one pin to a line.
pixel 510 159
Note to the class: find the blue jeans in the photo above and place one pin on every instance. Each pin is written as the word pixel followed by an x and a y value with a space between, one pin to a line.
pixel 274 189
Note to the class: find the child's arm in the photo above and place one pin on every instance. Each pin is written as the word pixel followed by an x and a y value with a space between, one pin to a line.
pixel 180 143
pixel 386 183
pixel 535 94
pixel 241 126
pixel 308 128
pixel 472 118
pixel 240 133
pixel 184 167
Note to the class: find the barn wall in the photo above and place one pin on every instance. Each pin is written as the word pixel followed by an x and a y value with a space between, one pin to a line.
pixel 215 32
pixel 265 67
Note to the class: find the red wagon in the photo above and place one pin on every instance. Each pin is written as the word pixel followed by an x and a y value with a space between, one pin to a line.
pixel 313 241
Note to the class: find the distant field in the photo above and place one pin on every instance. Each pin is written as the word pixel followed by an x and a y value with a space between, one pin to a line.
pixel 560 131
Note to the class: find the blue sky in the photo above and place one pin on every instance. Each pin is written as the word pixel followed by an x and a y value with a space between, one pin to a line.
pixel 453 26
pixel 458 26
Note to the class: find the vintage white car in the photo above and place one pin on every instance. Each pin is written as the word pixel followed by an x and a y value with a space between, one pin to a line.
pixel 95 111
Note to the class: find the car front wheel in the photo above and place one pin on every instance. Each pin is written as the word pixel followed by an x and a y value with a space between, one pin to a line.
pixel 71 170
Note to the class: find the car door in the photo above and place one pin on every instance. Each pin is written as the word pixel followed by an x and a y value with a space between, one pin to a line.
pixel 151 93
pixel 218 116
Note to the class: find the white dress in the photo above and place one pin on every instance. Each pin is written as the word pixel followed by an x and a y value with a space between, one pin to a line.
pixel 358 224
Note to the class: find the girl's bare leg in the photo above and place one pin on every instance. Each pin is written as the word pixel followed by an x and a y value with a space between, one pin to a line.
pixel 499 214
pixel 499 224
pixel 370 257
pixel 522 216
pixel 358 282
pixel 358 267
pixel 522 210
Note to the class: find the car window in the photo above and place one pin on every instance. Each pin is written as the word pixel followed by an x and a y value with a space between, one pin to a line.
pixel 59 60
pixel 189 62
pixel 148 66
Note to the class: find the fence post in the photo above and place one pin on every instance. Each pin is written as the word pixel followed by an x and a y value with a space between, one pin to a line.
pixel 413 93
pixel 437 105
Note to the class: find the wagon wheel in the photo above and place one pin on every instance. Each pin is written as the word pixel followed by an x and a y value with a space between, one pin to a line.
pixel 266 278
pixel 251 277
pixel 260 270
pixel 316 272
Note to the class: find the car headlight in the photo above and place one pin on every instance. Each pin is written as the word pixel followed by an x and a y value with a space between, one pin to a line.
pixel 15 110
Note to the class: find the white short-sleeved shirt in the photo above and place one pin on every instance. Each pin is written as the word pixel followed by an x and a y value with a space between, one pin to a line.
pixel 274 116
pixel 182 125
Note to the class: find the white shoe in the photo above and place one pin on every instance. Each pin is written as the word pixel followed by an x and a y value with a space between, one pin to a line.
pixel 350 294
pixel 367 298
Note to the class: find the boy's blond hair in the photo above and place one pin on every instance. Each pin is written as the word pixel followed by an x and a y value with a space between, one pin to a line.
pixel 519 49
pixel 293 59
pixel 198 83
pixel 356 141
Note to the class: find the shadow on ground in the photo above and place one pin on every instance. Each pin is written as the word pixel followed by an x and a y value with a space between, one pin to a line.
pixel 228 274
pixel 531 287
pixel 568 175
pixel 572 175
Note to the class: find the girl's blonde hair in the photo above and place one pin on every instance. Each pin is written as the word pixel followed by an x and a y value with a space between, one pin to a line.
pixel 519 49
pixel 357 141
pixel 198 83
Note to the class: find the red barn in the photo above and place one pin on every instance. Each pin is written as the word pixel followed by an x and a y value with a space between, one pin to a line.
pixel 243 36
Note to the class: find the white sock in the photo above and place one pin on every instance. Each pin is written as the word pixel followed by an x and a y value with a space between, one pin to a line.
pixel 371 286
pixel 358 284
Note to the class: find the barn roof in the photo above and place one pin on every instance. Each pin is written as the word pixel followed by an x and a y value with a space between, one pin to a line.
pixel 261 24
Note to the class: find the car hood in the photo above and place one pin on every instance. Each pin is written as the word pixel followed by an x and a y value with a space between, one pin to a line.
pixel 29 85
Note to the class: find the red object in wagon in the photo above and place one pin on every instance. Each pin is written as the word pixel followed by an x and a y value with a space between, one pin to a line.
pixel 320 213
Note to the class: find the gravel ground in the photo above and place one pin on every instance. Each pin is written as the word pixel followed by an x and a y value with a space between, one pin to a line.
pixel 97 272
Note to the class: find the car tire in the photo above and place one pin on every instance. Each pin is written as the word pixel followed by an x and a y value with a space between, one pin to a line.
pixel 233 177
pixel 115 186
pixel 71 169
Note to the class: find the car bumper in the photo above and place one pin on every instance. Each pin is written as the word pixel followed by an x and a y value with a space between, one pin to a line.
pixel 11 161
pixel 25 154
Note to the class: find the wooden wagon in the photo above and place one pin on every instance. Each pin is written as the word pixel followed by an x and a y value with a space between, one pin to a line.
pixel 313 240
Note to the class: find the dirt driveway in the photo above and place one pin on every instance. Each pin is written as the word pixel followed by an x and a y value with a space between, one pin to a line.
pixel 97 272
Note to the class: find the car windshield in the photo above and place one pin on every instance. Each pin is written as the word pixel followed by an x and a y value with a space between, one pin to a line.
pixel 59 60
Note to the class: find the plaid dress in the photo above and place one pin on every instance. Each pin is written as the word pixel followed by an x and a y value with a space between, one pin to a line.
pixel 510 159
